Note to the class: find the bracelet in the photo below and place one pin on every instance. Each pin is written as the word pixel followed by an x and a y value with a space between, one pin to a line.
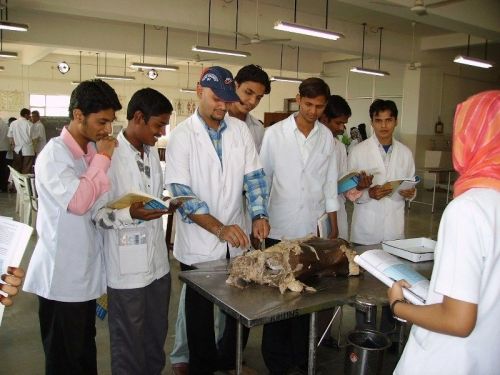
pixel 218 233
pixel 393 304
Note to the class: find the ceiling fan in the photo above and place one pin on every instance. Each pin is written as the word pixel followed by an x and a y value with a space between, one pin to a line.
pixel 419 7
pixel 255 38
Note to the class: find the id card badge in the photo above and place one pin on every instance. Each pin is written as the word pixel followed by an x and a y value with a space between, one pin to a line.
pixel 133 250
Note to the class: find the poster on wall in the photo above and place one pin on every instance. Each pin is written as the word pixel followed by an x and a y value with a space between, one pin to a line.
pixel 184 107
pixel 11 101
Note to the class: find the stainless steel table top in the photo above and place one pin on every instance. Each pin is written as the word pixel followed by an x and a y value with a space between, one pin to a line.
pixel 257 304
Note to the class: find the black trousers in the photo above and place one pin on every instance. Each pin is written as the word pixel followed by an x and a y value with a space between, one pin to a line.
pixel 205 357
pixel 285 343
pixel 4 171
pixel 68 337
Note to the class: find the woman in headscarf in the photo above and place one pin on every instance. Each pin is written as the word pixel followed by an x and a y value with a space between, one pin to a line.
pixel 457 331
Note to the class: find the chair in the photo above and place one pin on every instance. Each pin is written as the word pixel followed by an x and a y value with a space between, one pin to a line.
pixel 23 184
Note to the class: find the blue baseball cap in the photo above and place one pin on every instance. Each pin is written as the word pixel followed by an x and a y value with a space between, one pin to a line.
pixel 221 82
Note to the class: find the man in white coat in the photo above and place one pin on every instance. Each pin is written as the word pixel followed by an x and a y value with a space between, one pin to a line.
pixel 378 217
pixel 335 118
pixel 38 132
pixel 20 134
pixel 135 252
pixel 298 155
pixel 212 156
pixel 252 83
pixel 66 270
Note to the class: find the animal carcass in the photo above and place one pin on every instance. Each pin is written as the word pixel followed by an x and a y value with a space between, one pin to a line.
pixel 289 263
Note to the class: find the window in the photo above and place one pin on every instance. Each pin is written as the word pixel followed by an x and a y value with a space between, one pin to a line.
pixel 50 105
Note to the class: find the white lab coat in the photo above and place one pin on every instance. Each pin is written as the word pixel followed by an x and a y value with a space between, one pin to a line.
pixel 67 264
pixel 466 268
pixel 126 177
pixel 301 192
pixel 341 157
pixel 256 130
pixel 21 131
pixel 191 160
pixel 38 133
pixel 374 220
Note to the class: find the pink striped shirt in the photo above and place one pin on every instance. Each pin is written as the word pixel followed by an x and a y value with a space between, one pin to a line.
pixel 94 182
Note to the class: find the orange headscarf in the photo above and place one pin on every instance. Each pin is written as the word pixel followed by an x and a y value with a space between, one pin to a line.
pixel 476 142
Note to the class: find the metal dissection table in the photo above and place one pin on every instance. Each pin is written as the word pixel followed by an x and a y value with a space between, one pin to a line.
pixel 257 304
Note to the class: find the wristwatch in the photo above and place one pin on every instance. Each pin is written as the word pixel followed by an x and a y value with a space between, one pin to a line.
pixel 257 217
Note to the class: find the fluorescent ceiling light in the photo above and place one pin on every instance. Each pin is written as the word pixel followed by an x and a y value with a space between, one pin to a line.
pixel 220 51
pixel 115 78
pixel 286 79
pixel 466 60
pixel 188 90
pixel 373 72
pixel 13 26
pixel 76 82
pixel 8 55
pixel 137 65
pixel 307 30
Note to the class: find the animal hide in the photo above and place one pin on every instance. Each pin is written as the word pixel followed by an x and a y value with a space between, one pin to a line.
pixel 288 264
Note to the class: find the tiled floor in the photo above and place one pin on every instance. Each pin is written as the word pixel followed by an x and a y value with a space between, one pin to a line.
pixel 21 351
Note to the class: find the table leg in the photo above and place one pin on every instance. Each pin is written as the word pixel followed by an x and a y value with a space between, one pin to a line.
pixel 239 348
pixel 311 366
pixel 434 192
pixel 448 187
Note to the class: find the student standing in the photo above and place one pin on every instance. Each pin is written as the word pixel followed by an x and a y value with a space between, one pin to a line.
pixel 38 132
pixel 457 331
pixel 213 156
pixel 66 270
pixel 377 217
pixel 298 155
pixel 20 134
pixel 135 252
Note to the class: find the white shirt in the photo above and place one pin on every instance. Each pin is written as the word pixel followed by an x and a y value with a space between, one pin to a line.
pixel 125 177
pixel 341 158
pixel 302 178
pixel 20 130
pixel 374 220
pixel 467 268
pixel 38 133
pixel 256 130
pixel 191 160
pixel 67 263
pixel 4 140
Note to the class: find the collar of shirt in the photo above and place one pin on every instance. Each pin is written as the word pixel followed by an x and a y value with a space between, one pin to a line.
pixel 147 148
pixel 212 132
pixel 75 148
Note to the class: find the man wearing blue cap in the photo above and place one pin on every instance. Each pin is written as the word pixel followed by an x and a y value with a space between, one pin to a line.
pixel 212 156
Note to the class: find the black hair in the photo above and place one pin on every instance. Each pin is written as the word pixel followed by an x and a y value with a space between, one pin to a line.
pixel 380 105
pixel 25 112
pixel 35 112
pixel 150 102
pixel 254 73
pixel 11 119
pixel 93 96
pixel 362 131
pixel 314 87
pixel 336 107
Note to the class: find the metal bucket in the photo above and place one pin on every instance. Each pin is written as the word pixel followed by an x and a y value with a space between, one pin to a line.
pixel 365 352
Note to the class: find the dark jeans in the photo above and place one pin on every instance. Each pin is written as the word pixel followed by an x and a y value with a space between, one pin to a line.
pixel 138 325
pixel 285 343
pixel 68 337
pixel 4 171
pixel 205 357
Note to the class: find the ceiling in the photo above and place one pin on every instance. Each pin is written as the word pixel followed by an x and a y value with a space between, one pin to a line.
pixel 65 27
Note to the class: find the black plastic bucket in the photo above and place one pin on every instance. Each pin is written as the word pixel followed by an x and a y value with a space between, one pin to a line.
pixel 365 352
